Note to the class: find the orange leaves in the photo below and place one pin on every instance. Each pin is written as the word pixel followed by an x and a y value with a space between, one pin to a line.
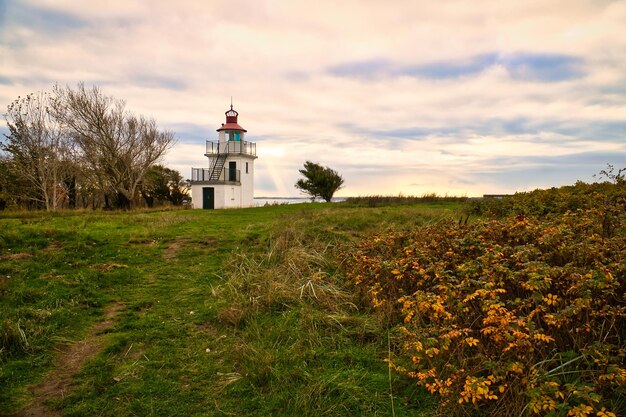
pixel 432 352
pixel 543 337
pixel 516 367
pixel 603 412
pixel 542 405
pixel 581 410
pixel 494 312
pixel 477 389
pixel 551 299
pixel 470 341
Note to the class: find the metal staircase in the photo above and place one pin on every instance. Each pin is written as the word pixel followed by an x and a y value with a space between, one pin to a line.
pixel 218 166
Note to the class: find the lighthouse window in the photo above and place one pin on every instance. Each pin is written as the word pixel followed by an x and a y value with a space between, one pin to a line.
pixel 246 167
pixel 233 136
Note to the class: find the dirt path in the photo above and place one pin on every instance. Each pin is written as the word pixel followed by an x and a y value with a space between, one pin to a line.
pixel 56 384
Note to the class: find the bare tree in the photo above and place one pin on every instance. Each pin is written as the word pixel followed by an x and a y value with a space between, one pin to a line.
pixel 37 147
pixel 116 147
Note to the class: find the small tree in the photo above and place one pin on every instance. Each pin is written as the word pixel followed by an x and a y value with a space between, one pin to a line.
pixel 319 181
pixel 162 184
pixel 8 183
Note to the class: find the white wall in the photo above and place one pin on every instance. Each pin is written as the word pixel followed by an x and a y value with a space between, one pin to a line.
pixel 230 195
pixel 226 195
pixel 247 182
pixel 219 195
pixel 196 196
pixel 246 191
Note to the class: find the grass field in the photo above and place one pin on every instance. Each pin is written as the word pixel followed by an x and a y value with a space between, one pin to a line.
pixel 179 313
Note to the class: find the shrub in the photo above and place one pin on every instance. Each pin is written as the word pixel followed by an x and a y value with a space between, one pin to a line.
pixel 521 315
pixel 381 200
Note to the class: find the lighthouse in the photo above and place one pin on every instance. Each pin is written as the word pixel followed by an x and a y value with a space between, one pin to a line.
pixel 228 182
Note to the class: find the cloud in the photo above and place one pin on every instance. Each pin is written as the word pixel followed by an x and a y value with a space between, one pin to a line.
pixel 419 97
pixel 541 67
pixel 39 18
pixel 160 82
pixel 528 173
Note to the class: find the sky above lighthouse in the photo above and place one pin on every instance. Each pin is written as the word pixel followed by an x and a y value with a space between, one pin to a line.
pixel 457 97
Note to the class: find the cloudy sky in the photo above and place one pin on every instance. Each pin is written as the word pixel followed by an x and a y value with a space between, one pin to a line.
pixel 458 97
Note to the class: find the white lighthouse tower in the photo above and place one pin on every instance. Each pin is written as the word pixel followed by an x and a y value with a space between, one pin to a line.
pixel 229 180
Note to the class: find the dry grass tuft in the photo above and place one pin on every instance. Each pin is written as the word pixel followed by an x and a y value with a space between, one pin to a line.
pixel 287 274
pixel 232 315
pixel 16 256
pixel 108 266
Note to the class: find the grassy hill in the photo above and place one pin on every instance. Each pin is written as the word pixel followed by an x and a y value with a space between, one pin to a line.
pixel 233 312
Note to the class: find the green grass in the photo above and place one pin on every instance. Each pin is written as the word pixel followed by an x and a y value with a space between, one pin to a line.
pixel 231 312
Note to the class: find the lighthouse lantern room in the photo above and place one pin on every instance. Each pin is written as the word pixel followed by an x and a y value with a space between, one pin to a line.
pixel 228 182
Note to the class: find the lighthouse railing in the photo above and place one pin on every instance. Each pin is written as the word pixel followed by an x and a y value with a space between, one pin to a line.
pixel 226 175
pixel 230 147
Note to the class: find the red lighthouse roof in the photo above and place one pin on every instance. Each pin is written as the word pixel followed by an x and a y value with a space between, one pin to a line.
pixel 231 121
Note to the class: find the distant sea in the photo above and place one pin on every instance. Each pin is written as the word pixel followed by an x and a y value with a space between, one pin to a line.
pixel 261 201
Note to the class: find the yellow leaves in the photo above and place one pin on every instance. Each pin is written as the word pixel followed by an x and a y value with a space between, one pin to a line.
pixel 530 286
pixel 423 306
pixel 552 320
pixel 551 299
pixel 453 334
pixel 605 413
pixel 543 337
pixel 409 316
pixel 615 375
pixel 484 294
pixel 374 293
pixel 542 404
pixel 488 330
pixel 497 315
pixel 433 351
pixel 517 299
pixel 439 386
pixel 581 410
pixel 470 341
pixel 476 389
pixel 516 367
pixel 438 307
pixel 583 303
pixel 520 335
pixel 422 376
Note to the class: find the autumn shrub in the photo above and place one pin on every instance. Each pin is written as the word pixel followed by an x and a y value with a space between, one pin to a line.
pixel 390 200
pixel 523 315
pixel 607 197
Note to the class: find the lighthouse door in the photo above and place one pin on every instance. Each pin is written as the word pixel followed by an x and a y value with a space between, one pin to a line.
pixel 208 198
pixel 232 171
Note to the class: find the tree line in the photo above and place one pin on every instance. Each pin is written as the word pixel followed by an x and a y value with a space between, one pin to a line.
pixel 79 148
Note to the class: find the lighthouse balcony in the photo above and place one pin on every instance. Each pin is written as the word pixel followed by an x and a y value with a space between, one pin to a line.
pixel 209 176
pixel 230 147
